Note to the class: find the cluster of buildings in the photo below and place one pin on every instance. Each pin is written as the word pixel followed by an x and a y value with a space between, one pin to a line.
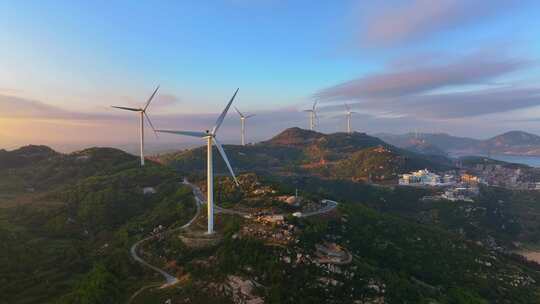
pixel 466 194
pixel 457 185
pixel 426 178
pixel 505 176
pixel 488 174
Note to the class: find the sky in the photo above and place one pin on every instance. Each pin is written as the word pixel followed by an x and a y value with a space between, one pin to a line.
pixel 464 67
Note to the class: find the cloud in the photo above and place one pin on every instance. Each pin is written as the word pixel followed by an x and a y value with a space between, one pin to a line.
pixel 462 104
pixel 411 20
pixel 161 100
pixel 116 127
pixel 15 107
pixel 474 69
pixel 439 88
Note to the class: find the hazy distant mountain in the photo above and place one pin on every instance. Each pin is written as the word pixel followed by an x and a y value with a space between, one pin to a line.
pixel 513 142
pixel 415 144
pixel 442 141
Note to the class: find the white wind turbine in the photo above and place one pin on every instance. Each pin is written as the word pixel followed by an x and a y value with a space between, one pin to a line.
pixel 210 136
pixel 243 122
pixel 349 117
pixel 312 116
pixel 143 114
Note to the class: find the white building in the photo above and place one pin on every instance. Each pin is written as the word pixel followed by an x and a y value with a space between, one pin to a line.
pixel 149 190
pixel 420 177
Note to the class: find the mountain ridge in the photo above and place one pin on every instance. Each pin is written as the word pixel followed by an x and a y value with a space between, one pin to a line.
pixel 510 143
pixel 299 151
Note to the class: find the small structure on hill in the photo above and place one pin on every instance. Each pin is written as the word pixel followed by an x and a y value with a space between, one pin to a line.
pixel 332 253
pixel 149 190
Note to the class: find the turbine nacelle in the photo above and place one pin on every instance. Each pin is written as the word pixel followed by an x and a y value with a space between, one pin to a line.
pixel 349 114
pixel 143 114
pixel 313 117
pixel 211 135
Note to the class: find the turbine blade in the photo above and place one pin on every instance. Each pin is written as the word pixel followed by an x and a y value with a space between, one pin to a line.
pixel 315 104
pixel 187 133
pixel 221 117
pixel 150 123
pixel 126 108
pixel 238 111
pixel 250 115
pixel 150 99
pixel 222 152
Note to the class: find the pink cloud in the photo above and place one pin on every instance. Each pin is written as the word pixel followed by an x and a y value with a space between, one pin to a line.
pixel 474 69
pixel 394 24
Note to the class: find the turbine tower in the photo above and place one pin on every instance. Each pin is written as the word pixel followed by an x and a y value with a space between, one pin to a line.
pixel 312 116
pixel 243 123
pixel 349 117
pixel 210 136
pixel 142 112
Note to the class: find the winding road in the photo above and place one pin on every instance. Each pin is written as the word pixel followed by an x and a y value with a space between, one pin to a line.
pixel 200 200
pixel 169 279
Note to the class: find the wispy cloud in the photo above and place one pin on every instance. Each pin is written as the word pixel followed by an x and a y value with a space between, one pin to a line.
pixel 412 20
pixel 16 107
pixel 111 126
pixel 469 86
pixel 462 104
pixel 473 69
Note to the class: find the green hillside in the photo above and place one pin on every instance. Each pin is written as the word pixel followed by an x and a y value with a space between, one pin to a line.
pixel 298 151
pixel 67 239
pixel 63 239
pixel 396 259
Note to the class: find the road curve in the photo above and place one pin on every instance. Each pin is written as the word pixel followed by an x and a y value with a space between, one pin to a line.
pixel 330 204
pixel 199 198
pixel 169 279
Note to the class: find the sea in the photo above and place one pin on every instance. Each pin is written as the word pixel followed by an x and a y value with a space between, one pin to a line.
pixel 533 161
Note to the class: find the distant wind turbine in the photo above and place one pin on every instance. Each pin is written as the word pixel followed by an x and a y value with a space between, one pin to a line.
pixel 210 136
pixel 143 114
pixel 243 122
pixel 312 116
pixel 349 117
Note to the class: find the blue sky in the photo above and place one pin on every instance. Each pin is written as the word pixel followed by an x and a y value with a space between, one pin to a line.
pixel 402 64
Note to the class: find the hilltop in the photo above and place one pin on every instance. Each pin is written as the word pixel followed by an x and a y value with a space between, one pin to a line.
pixel 295 137
pixel 25 156
pixel 513 143
pixel 32 168
pixel 69 219
pixel 304 152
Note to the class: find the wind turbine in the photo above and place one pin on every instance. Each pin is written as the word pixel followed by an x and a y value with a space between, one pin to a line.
pixel 243 122
pixel 349 117
pixel 210 136
pixel 143 114
pixel 312 116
